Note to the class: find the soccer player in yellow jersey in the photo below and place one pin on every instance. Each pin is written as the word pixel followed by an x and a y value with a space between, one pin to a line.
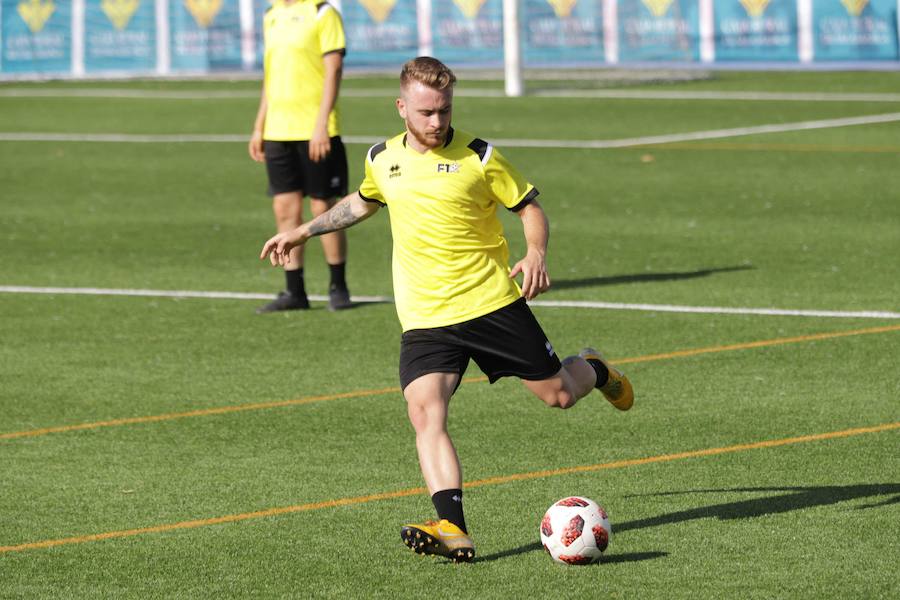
pixel 297 134
pixel 456 295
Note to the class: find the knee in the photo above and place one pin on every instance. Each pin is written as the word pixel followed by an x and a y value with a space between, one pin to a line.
pixel 423 419
pixel 417 417
pixel 288 210
pixel 560 399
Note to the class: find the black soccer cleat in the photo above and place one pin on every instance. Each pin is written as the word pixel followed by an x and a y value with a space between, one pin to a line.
pixel 339 298
pixel 284 301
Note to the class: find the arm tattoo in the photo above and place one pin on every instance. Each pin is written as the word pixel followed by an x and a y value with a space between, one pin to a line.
pixel 339 217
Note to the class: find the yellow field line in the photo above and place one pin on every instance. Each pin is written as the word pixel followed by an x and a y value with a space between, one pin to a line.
pixel 353 501
pixel 772 147
pixel 758 344
pixel 396 390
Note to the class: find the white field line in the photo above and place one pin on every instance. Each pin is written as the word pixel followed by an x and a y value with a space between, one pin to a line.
pixel 121 93
pixel 721 310
pixel 19 289
pixel 508 143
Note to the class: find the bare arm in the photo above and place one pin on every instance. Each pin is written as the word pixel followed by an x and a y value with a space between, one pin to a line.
pixel 256 139
pixel 533 266
pixel 349 211
pixel 320 142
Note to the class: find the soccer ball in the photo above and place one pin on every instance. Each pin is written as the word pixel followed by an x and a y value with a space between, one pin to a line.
pixel 575 531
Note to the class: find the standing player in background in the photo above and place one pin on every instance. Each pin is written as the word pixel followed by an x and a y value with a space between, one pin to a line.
pixel 456 296
pixel 297 134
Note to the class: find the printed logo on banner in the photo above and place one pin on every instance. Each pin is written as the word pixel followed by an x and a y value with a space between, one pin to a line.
pixel 658 7
pixel 562 8
pixel 119 12
pixel 35 13
pixel 854 7
pixel 204 11
pixel 755 8
pixel 470 8
pixel 378 9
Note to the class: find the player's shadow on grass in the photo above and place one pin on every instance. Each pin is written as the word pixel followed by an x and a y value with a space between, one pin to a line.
pixel 793 498
pixel 624 557
pixel 563 284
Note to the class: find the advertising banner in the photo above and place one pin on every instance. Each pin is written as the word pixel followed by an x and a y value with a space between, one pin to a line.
pixel 855 30
pixel 760 30
pixel 205 35
pixel 562 31
pixel 119 35
pixel 659 30
pixel 380 32
pixel 36 36
pixel 468 31
pixel 259 10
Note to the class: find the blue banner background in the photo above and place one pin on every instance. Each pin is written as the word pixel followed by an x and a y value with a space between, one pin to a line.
pixel 772 36
pixel 48 50
pixel 551 39
pixel 674 36
pixel 872 35
pixel 196 48
pixel 109 48
pixel 459 39
pixel 259 9
pixel 391 42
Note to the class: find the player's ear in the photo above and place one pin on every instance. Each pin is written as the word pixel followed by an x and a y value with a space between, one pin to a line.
pixel 401 108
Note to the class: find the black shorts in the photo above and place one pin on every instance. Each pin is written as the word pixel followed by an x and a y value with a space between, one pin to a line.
pixel 291 170
pixel 506 342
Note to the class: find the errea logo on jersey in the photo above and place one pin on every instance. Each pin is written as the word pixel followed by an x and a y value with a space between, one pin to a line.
pixel 395 171
pixel 448 168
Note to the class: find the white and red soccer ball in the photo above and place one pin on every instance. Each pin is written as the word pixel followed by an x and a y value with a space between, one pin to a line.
pixel 575 531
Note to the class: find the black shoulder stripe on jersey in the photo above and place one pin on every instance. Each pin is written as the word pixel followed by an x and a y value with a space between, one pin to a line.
pixel 370 199
pixel 449 137
pixel 479 147
pixel 528 199
pixel 320 5
pixel 376 150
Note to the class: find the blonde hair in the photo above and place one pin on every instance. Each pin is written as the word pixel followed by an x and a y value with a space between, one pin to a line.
pixel 429 72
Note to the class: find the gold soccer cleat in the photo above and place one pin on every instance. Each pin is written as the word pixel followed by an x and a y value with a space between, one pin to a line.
pixel 617 388
pixel 441 538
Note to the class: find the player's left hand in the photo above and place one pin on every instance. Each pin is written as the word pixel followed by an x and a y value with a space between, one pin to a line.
pixel 535 279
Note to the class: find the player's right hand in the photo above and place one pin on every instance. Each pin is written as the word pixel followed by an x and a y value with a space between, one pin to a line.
pixel 278 247
pixel 255 147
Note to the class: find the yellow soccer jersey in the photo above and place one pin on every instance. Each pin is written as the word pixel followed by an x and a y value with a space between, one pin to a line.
pixel 296 37
pixel 450 260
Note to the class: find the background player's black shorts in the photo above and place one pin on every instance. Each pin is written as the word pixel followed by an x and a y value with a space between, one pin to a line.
pixel 508 341
pixel 291 170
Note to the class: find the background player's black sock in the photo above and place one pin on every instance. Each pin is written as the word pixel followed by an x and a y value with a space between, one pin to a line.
pixel 337 276
pixel 601 370
pixel 448 504
pixel 295 283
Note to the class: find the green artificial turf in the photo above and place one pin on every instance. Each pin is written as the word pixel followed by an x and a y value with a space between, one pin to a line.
pixel 283 442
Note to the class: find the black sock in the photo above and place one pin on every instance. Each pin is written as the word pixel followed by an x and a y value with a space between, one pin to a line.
pixel 295 283
pixel 337 276
pixel 448 504
pixel 601 370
